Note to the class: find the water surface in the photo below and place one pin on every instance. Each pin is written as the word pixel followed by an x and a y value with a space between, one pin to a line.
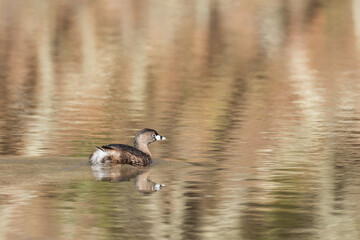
pixel 258 100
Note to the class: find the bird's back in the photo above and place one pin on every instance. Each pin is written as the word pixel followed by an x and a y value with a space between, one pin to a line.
pixel 120 154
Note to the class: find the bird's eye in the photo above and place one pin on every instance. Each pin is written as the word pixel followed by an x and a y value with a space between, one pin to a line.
pixel 153 135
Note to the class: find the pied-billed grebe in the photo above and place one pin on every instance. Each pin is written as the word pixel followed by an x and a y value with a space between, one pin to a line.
pixel 139 155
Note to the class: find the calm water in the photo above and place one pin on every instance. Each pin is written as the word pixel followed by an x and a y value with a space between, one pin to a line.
pixel 259 102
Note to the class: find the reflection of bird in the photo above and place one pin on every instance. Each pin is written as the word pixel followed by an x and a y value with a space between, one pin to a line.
pixel 138 155
pixel 144 185
pixel 120 173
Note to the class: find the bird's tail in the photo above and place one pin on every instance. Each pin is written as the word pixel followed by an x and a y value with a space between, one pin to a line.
pixel 98 156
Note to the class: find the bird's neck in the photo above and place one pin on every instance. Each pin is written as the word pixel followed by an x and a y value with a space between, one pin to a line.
pixel 142 147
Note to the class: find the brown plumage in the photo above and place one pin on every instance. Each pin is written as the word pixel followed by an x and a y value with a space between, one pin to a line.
pixel 139 155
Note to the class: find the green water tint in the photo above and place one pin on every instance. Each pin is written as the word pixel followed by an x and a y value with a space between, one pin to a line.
pixel 258 100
